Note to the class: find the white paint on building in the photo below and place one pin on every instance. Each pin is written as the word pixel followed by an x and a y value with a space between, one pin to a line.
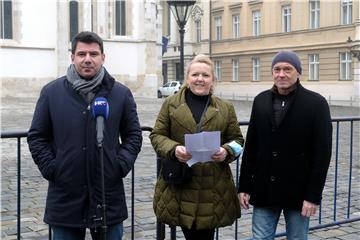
pixel 28 63
pixel 124 58
pixel 38 21
pixel 40 52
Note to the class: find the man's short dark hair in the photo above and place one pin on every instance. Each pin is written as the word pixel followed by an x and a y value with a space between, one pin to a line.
pixel 86 37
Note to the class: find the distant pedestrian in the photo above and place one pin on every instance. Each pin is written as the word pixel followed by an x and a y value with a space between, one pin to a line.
pixel 63 144
pixel 287 153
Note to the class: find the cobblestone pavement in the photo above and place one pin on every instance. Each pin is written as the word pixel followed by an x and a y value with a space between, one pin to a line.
pixel 16 115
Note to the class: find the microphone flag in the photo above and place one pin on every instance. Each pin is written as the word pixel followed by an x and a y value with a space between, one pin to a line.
pixel 100 112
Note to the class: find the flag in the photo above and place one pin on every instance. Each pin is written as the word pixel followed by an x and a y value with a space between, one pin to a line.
pixel 165 42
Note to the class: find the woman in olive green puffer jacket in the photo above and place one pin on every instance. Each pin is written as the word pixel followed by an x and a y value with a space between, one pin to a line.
pixel 209 200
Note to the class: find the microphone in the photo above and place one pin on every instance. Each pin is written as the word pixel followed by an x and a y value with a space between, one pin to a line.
pixel 100 111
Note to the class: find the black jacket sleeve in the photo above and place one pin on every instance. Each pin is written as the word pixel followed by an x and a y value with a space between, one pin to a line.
pixel 40 138
pixel 321 145
pixel 248 157
pixel 131 136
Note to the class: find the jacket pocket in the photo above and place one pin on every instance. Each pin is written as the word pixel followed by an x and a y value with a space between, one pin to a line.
pixel 166 204
pixel 112 167
pixel 59 164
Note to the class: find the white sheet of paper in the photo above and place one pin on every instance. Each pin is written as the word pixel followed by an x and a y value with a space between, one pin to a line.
pixel 202 146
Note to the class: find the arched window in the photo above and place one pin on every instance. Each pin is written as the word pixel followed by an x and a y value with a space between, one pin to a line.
pixel 120 20
pixel 6 19
pixel 74 19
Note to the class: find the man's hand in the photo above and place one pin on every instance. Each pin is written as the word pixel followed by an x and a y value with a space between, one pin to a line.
pixel 181 154
pixel 244 200
pixel 309 209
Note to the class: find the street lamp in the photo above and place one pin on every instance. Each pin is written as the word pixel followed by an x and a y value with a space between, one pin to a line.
pixel 181 11
pixel 354 49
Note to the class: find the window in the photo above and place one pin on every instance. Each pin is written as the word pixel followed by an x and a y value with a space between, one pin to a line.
pixel 218 28
pixel 6 19
pixel 235 70
pixel 120 24
pixel 218 70
pixel 198 31
pixel 314 14
pixel 256 22
pixel 345 66
pixel 256 69
pixel 168 21
pixel 286 12
pixel 346 11
pixel 177 72
pixel 165 72
pixel 236 25
pixel 314 67
pixel 74 19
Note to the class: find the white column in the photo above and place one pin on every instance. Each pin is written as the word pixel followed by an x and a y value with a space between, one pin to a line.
pixel 152 22
pixel 174 29
pixel 357 67
pixel 62 40
pixel 86 15
pixel 102 18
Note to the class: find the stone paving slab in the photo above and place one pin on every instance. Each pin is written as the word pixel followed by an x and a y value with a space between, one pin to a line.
pixel 34 187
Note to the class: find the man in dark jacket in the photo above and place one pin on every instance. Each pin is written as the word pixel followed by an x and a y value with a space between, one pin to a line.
pixel 62 141
pixel 287 153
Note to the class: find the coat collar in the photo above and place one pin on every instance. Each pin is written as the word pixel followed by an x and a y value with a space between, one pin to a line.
pixel 269 102
pixel 183 114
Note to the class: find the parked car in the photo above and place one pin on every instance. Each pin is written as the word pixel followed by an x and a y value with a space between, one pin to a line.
pixel 168 89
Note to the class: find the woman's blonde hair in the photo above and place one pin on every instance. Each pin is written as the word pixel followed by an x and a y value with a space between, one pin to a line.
pixel 201 58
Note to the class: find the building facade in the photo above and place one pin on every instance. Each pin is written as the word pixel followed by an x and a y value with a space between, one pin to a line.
pixel 241 37
pixel 35 41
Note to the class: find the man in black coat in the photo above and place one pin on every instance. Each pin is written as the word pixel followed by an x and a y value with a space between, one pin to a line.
pixel 287 153
pixel 63 142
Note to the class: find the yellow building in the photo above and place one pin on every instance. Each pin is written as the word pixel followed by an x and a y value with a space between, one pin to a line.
pixel 242 37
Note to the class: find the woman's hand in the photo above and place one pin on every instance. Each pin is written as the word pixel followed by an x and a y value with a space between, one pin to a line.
pixel 220 155
pixel 181 154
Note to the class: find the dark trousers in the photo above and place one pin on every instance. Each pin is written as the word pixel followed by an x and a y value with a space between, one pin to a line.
pixel 193 234
pixel 114 232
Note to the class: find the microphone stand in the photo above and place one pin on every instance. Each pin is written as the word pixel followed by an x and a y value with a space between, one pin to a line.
pixel 103 225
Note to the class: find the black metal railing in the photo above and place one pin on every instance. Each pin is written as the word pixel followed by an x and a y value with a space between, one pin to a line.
pixel 339 153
